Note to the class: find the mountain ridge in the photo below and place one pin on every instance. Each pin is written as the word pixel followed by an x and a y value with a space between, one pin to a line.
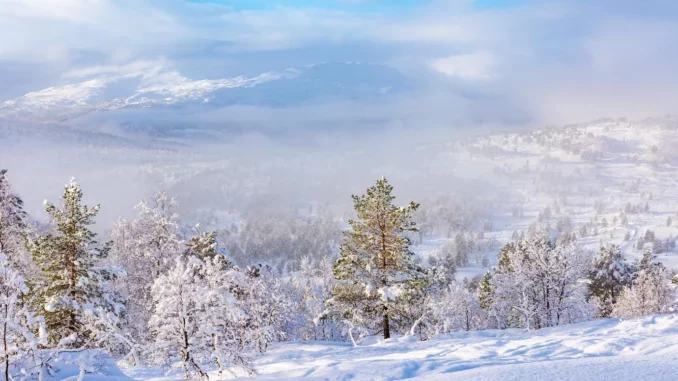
pixel 152 85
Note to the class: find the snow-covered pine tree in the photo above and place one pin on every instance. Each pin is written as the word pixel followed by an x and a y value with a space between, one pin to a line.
pixel 71 280
pixel 13 227
pixel 375 265
pixel 204 245
pixel 610 274
pixel 18 326
pixel 145 247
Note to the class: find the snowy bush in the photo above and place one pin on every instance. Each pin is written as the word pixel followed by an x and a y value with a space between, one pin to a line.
pixel 650 293
pixel 197 322
pixel 538 284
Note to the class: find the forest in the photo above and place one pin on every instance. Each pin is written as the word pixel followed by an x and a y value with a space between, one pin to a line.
pixel 156 291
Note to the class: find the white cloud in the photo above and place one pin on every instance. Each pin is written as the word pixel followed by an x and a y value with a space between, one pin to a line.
pixel 474 66
pixel 134 69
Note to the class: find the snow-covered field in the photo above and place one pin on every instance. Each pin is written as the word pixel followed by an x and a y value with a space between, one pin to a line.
pixel 610 349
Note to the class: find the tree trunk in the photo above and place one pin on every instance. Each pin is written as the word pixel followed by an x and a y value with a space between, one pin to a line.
pixel 185 353
pixel 72 279
pixel 4 342
pixel 387 330
pixel 214 348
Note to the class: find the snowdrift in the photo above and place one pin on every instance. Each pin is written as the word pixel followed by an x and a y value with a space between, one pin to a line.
pixel 609 349
pixel 98 365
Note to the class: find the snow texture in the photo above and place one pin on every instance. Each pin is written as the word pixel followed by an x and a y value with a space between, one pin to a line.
pixel 608 349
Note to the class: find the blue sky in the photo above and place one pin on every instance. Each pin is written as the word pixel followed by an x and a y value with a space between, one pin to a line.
pixel 356 5
pixel 387 6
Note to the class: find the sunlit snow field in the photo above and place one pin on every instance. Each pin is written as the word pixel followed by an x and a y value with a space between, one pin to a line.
pixel 610 349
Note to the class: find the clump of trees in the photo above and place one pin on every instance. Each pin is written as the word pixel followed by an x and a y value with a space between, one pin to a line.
pixel 153 293
pixel 536 284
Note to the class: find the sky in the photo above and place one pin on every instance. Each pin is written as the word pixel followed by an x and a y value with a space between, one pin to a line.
pixel 549 61
pixel 476 65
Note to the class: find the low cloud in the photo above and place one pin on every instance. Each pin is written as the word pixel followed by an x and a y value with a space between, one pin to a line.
pixel 474 66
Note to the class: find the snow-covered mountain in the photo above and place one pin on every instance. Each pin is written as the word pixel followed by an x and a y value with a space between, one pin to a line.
pixel 154 84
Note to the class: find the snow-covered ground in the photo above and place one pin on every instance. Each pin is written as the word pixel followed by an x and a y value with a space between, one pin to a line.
pixel 610 349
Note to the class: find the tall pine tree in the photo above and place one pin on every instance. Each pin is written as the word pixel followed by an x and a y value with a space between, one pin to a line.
pixel 375 266
pixel 70 282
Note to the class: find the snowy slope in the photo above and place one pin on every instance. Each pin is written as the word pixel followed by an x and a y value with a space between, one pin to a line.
pixel 642 349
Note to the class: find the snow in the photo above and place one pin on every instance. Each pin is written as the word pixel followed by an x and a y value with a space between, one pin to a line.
pixel 68 369
pixel 638 349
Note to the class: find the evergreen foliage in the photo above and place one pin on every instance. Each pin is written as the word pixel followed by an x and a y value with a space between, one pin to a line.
pixel 71 280
pixel 608 277
pixel 375 263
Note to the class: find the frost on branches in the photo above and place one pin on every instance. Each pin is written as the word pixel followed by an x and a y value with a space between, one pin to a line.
pixel 650 292
pixel 313 286
pixel 145 247
pixel 375 263
pixel 537 284
pixel 18 327
pixel 13 227
pixel 269 307
pixel 200 319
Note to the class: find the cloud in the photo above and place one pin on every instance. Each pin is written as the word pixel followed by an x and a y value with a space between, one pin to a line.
pixel 473 66
pixel 134 69
pixel 544 54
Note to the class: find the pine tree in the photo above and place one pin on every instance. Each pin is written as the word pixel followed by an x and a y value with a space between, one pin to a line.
pixel 375 265
pixel 203 245
pixel 70 280
pixel 13 227
pixel 608 277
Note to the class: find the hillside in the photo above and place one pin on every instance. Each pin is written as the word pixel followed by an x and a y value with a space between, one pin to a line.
pixel 585 179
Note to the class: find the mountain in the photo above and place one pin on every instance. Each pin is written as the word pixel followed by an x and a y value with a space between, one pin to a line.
pixel 154 85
